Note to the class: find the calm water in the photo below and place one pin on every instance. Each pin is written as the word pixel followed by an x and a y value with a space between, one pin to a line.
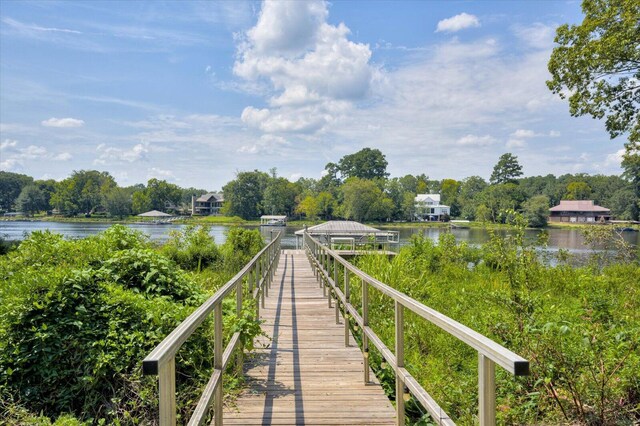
pixel 570 239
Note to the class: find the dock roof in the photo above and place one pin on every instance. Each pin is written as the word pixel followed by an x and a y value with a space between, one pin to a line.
pixel 342 227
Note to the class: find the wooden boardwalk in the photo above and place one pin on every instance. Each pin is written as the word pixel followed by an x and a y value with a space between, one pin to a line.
pixel 306 376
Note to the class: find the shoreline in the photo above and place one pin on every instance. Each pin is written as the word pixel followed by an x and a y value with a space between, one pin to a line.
pixel 235 221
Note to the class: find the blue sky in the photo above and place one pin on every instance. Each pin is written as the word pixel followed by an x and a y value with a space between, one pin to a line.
pixel 194 92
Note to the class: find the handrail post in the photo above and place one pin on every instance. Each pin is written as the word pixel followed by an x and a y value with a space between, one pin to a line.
pixel 167 390
pixel 399 363
pixel 486 391
pixel 365 323
pixel 217 362
pixel 239 295
pixel 347 294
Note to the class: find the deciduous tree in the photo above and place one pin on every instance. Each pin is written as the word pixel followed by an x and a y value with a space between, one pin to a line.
pixel 596 65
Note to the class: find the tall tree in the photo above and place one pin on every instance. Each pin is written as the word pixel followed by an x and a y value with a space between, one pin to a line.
pixel 365 164
pixel 536 211
pixel 31 200
pixel 578 191
pixel 631 166
pixel 597 65
pixel 11 185
pixel 507 170
pixel 118 202
pixel 363 200
pixel 82 192
pixel 244 195
pixel 162 194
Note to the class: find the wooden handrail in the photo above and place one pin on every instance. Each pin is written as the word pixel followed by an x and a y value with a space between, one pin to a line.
pixel 324 261
pixel 161 361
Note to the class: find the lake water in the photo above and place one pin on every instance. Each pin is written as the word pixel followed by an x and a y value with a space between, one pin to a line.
pixel 570 239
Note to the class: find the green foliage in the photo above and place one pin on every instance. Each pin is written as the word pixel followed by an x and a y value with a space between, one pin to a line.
pixel 77 317
pixel 596 65
pixel 240 247
pixel 244 195
pixel 82 192
pixel 147 271
pixel 506 170
pixel 578 191
pixel 193 248
pixel 118 202
pixel 363 200
pixel 536 211
pixel 365 164
pixel 31 200
pixel 579 327
pixel 11 185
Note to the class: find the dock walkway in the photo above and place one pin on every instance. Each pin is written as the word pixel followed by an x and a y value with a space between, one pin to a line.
pixel 306 375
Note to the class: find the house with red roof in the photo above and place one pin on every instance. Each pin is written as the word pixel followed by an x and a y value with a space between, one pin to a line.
pixel 579 211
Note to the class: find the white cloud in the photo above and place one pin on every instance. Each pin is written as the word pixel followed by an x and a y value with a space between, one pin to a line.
pixel 266 144
pixel 523 134
pixel 554 134
pixel 63 156
pixel 63 122
pixel 458 22
pixel 9 164
pixel 537 35
pixel 8 143
pixel 110 153
pixel 314 73
pixel 473 140
pixel 615 158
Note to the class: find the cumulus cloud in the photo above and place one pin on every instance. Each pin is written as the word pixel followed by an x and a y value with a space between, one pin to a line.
pixel 110 153
pixel 155 172
pixel 457 23
pixel 615 158
pixel 62 122
pixel 313 72
pixel 8 143
pixel 266 144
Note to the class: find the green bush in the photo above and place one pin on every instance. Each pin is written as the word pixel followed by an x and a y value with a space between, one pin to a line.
pixel 193 248
pixel 578 326
pixel 240 247
pixel 76 319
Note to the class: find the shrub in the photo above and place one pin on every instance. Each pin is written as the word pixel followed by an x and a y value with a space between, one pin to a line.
pixel 193 248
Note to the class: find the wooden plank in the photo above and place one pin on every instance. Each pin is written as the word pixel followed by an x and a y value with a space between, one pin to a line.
pixel 303 373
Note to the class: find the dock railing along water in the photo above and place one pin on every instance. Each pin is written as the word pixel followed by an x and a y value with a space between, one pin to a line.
pixel 336 277
pixel 329 267
pixel 254 279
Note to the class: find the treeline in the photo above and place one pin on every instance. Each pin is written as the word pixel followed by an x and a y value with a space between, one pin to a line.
pixel 90 192
pixel 358 187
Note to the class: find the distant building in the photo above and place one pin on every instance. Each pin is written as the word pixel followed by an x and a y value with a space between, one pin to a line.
pixel 579 211
pixel 428 208
pixel 207 204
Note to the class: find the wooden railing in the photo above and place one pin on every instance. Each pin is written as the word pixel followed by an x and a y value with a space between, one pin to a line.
pixel 256 276
pixel 326 264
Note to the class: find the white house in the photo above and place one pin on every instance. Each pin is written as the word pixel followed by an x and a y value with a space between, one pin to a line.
pixel 428 208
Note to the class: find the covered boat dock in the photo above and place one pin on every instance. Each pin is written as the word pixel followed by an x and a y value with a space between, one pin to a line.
pixel 349 238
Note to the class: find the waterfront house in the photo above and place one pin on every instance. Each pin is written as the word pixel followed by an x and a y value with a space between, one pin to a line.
pixel 579 211
pixel 207 204
pixel 428 208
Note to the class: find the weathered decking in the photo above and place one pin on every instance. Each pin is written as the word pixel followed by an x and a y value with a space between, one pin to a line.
pixel 306 376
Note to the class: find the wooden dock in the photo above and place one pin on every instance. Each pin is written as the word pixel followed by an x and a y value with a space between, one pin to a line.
pixel 306 375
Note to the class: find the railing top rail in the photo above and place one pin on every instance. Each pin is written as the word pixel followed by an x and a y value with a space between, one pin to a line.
pixel 170 345
pixel 502 356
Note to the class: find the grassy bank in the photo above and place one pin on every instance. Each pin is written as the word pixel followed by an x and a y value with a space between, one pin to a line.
pixel 579 328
